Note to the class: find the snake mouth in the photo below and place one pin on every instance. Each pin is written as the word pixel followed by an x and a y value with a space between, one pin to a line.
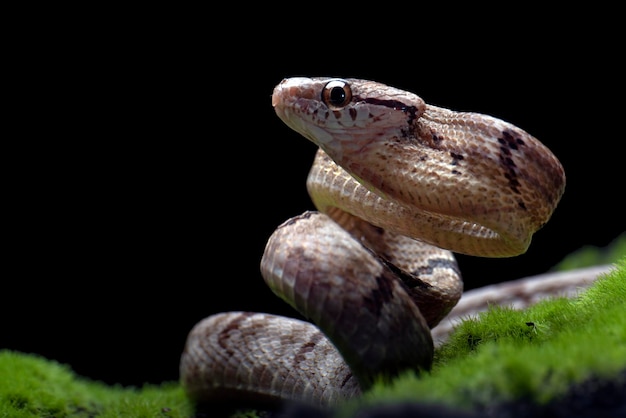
pixel 292 102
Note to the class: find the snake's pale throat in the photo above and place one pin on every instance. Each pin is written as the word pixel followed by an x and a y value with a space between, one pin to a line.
pixel 399 185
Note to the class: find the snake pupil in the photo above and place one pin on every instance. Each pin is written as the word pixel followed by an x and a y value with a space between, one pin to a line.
pixel 336 94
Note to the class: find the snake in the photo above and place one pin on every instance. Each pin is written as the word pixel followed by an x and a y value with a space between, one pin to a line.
pixel 399 186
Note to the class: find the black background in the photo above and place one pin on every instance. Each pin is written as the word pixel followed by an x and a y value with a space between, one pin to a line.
pixel 149 167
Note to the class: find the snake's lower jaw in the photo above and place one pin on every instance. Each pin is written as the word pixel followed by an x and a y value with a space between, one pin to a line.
pixel 312 132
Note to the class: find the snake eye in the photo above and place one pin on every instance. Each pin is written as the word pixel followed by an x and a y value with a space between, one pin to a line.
pixel 336 94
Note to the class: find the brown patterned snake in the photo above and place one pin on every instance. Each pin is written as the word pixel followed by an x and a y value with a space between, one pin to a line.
pixel 395 180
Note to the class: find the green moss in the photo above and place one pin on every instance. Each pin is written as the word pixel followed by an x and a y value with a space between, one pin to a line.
pixel 32 386
pixel 535 354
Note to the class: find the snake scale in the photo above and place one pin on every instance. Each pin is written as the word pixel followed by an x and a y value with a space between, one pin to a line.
pixel 399 185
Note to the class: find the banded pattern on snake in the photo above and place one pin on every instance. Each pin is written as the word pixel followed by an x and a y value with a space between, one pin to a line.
pixel 399 185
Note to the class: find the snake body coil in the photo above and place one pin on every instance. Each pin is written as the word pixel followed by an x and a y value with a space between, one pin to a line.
pixel 395 181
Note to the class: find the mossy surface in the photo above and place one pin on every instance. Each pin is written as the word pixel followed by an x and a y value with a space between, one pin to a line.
pixel 32 386
pixel 504 355
pixel 535 354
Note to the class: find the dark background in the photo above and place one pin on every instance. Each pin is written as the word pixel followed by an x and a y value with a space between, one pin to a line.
pixel 149 167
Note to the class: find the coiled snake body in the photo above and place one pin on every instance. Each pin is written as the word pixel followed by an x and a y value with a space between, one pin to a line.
pixel 395 181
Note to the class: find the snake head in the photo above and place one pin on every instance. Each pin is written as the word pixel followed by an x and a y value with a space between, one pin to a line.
pixel 344 116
